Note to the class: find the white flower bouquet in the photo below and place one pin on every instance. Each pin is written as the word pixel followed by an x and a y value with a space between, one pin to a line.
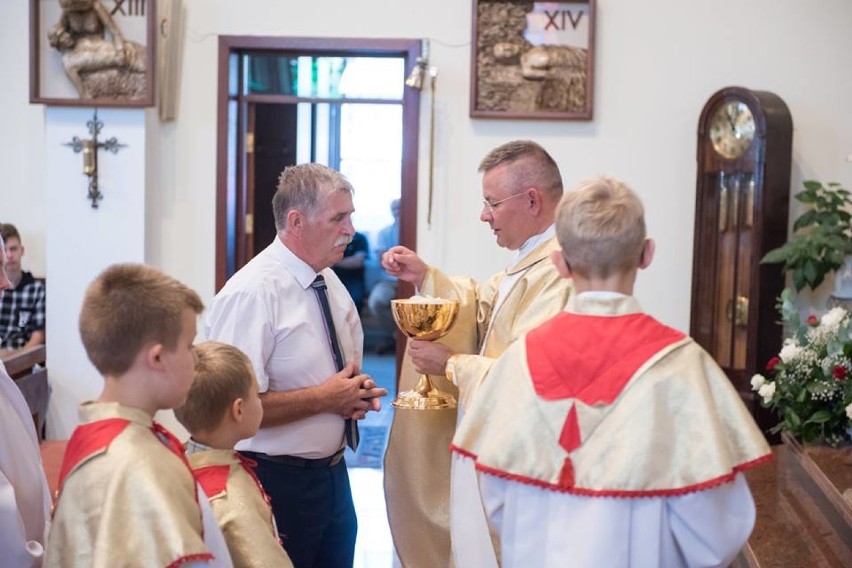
pixel 809 383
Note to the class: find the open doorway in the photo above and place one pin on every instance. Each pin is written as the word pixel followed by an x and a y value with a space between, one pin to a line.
pixel 342 103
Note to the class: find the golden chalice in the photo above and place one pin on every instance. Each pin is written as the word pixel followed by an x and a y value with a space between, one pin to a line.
pixel 425 320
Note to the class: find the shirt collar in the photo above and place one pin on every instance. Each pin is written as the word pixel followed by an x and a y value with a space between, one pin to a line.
pixel 601 295
pixel 193 447
pixel 532 242
pixel 301 270
pixel 93 410
pixel 601 303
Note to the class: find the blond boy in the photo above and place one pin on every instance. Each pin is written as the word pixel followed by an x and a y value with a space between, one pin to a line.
pixel 222 408
pixel 603 437
pixel 127 494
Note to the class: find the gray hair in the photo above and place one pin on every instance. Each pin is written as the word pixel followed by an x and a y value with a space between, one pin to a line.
pixel 305 187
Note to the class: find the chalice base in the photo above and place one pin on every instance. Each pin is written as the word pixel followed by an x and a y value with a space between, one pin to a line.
pixel 424 396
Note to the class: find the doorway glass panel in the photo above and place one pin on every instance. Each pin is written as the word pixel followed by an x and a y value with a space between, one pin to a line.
pixel 325 77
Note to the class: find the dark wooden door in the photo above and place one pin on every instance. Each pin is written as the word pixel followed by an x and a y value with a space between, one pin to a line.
pixel 274 141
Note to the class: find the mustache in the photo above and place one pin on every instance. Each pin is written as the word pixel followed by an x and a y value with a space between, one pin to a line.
pixel 342 241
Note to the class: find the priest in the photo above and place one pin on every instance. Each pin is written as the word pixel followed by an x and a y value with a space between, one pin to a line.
pixel 521 187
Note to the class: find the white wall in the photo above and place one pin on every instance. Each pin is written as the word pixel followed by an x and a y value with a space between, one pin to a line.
pixel 657 63
pixel 82 241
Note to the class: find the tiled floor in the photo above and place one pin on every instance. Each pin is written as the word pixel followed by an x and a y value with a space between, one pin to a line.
pixel 374 547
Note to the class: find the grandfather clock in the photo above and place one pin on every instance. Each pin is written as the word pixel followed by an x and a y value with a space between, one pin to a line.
pixel 743 188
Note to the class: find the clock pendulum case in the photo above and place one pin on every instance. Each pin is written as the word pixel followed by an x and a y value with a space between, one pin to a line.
pixel 743 186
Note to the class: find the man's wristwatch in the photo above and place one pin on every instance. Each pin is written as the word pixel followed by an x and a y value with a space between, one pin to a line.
pixel 450 368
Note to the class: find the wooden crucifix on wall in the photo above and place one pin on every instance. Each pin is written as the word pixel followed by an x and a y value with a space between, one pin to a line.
pixel 90 148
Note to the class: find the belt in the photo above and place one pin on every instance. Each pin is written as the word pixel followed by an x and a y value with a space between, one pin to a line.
pixel 296 461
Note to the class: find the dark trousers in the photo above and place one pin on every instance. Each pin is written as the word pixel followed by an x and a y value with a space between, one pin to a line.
pixel 313 510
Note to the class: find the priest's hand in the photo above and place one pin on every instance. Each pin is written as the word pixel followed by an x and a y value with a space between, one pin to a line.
pixel 429 358
pixel 404 263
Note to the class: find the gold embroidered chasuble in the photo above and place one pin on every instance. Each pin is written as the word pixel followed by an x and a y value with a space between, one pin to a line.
pixel 675 427
pixel 133 501
pixel 417 461
pixel 241 508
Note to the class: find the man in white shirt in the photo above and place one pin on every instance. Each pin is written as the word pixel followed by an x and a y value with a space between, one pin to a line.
pixel 308 368
pixel 24 496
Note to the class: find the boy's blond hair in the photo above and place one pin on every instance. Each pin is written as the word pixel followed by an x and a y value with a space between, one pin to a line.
pixel 600 226
pixel 128 306
pixel 223 374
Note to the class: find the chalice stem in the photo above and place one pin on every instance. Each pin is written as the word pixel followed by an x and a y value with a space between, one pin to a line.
pixel 424 386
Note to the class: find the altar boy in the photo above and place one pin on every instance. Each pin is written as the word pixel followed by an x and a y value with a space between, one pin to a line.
pixel 603 437
pixel 127 494
pixel 222 408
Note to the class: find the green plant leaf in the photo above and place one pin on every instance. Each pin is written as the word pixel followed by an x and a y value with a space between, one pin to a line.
pixel 792 419
pixel 779 254
pixel 822 235
pixel 819 417
pixel 811 432
pixel 799 280
pixel 806 219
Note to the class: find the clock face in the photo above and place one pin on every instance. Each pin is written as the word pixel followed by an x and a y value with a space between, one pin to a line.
pixel 732 129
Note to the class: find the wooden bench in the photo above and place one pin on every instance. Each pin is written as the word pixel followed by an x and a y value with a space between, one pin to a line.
pixel 19 364
pixel 804 508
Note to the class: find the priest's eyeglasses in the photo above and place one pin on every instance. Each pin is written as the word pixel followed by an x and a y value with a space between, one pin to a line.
pixel 492 206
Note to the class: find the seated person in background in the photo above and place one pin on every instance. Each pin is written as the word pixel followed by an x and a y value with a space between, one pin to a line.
pixel 603 437
pixel 350 269
pixel 24 496
pixel 127 496
pixel 222 408
pixel 385 289
pixel 21 308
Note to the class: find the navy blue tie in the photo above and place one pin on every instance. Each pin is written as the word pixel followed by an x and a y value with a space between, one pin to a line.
pixel 319 286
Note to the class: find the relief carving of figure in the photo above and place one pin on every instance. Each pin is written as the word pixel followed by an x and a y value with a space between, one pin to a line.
pixel 517 76
pixel 99 66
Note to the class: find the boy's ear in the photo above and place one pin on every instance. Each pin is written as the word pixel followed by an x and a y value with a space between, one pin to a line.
pixel 561 265
pixel 154 356
pixel 647 255
pixel 236 410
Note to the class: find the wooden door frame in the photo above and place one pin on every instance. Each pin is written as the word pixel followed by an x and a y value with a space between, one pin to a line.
pixel 410 49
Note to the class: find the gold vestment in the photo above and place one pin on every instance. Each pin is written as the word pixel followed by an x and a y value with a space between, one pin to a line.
pixel 129 501
pixel 417 461
pixel 242 509
pixel 673 426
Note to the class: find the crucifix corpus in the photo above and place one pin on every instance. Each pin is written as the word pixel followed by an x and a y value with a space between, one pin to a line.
pixel 90 155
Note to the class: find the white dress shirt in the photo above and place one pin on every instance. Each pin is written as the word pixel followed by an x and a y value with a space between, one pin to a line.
pixel 24 496
pixel 269 311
